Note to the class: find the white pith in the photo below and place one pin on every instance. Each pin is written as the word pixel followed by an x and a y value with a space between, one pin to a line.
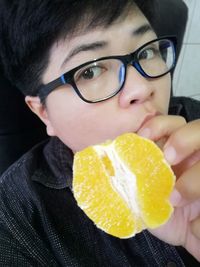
pixel 124 181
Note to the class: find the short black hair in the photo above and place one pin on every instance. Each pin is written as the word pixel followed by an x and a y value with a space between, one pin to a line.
pixel 29 28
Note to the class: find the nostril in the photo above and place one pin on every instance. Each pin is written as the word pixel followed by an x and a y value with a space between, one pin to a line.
pixel 152 94
pixel 132 101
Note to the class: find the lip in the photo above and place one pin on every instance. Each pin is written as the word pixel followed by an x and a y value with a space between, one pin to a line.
pixel 147 118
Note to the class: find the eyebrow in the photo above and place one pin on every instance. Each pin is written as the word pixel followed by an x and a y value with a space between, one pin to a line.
pixel 145 28
pixel 102 44
pixel 84 47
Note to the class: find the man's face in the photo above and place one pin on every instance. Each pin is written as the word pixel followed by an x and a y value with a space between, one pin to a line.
pixel 79 124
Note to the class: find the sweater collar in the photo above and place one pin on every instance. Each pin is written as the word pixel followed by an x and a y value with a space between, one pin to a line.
pixel 56 168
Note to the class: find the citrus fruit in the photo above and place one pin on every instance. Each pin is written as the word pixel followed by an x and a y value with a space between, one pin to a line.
pixel 123 185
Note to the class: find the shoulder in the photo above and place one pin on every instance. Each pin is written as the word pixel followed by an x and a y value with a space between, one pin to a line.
pixel 20 214
pixel 17 192
pixel 186 107
pixel 22 170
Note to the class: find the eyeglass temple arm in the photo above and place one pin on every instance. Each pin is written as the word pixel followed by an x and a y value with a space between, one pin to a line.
pixel 44 90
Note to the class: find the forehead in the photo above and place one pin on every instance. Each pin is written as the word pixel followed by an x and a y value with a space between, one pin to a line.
pixel 115 36
pixel 128 19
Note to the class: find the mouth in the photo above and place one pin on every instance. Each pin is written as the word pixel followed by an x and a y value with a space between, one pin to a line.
pixel 147 118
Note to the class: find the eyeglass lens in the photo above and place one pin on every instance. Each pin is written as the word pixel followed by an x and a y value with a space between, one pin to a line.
pixel 156 58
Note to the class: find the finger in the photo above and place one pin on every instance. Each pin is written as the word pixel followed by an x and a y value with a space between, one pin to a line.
pixel 187 163
pixel 195 227
pixel 183 142
pixel 161 126
pixel 193 245
pixel 188 184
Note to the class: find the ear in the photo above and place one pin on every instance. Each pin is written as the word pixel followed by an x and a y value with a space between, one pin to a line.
pixel 40 110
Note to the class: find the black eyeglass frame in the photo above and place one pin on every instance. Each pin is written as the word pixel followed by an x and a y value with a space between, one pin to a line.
pixel 68 77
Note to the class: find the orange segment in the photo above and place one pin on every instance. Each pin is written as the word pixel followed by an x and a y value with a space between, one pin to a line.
pixel 123 186
pixel 155 179
pixel 95 195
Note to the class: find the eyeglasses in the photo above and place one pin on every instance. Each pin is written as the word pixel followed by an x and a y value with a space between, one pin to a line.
pixel 103 78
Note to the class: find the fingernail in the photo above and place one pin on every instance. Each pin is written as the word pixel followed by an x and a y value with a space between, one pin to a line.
pixel 145 133
pixel 175 198
pixel 170 154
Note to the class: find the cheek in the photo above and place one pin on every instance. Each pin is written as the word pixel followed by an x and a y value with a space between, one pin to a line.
pixel 75 122
pixel 163 93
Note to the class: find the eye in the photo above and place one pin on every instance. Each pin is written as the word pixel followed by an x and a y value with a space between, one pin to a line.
pixel 89 73
pixel 148 53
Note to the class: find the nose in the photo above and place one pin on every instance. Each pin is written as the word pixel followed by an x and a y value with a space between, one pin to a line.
pixel 136 88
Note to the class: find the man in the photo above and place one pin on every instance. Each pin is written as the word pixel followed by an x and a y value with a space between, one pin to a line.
pixel 91 71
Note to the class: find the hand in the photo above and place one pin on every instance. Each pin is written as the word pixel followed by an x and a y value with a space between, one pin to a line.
pixel 182 150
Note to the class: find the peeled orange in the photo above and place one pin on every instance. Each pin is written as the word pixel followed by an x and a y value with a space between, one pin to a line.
pixel 123 186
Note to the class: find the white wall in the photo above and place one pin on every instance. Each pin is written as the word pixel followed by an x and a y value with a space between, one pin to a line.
pixel 187 74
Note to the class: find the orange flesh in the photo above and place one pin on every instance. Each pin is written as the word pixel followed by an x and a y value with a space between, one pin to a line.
pixel 102 202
